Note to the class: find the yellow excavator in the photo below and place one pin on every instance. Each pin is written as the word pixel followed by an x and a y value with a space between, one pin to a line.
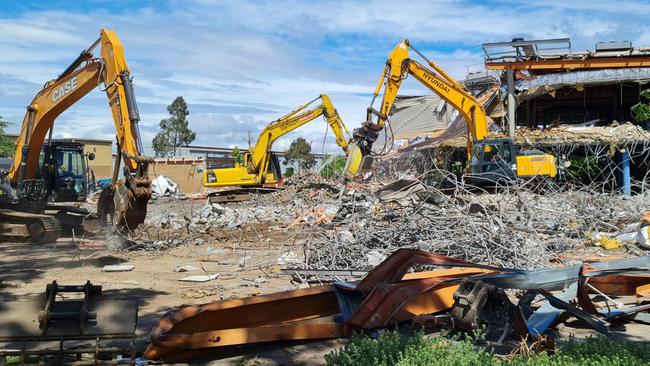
pixel 260 168
pixel 37 168
pixel 490 159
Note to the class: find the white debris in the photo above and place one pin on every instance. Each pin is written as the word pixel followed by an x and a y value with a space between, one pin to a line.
pixel 346 236
pixel 118 268
pixel 374 257
pixel 288 258
pixel 245 260
pixel 186 268
pixel 163 186
pixel 217 208
pixel 200 278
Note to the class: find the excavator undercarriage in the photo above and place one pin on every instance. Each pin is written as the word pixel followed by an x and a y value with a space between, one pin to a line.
pixel 27 226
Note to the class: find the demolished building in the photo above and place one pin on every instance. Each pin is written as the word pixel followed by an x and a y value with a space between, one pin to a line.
pixel 574 105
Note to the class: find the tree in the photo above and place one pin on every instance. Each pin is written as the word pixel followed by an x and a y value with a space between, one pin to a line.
pixel 641 110
pixel 237 156
pixel 174 131
pixel 300 151
pixel 334 168
pixel 6 145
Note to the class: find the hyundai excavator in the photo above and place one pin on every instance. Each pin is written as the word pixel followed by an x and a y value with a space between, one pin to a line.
pixel 260 167
pixel 490 159
pixel 27 185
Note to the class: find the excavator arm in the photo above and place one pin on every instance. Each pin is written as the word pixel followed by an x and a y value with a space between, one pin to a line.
pixel 111 73
pixel 261 152
pixel 398 66
pixel 255 169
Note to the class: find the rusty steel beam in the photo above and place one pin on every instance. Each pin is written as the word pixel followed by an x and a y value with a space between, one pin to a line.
pixel 241 321
pixel 393 268
pixel 571 64
pixel 384 304
pixel 176 347
pixel 311 313
pixel 619 285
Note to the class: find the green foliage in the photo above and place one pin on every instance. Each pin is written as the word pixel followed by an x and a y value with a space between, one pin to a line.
pixel 300 151
pixel 641 110
pixel 334 167
pixel 237 156
pixel 289 172
pixel 393 348
pixel 6 144
pixel 586 166
pixel 174 131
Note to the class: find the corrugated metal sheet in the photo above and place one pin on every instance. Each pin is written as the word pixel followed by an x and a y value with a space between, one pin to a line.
pixel 544 84
pixel 427 119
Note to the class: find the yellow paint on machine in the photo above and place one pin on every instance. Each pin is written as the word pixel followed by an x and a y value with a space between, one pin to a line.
pixel 237 176
pixel 532 165
pixel 255 169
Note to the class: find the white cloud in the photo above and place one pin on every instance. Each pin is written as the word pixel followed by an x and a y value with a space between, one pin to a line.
pixel 243 63
pixel 37 32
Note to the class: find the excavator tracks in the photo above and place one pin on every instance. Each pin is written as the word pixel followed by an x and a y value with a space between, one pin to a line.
pixel 38 228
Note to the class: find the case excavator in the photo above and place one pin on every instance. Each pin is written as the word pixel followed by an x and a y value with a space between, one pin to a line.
pixel 489 159
pixel 41 174
pixel 260 168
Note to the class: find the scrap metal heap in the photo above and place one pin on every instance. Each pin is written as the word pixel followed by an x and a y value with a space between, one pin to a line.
pixel 530 225
pixel 471 293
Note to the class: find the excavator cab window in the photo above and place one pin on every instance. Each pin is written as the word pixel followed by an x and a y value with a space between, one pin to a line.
pixel 491 153
pixel 70 181
pixel 506 153
pixel 274 167
pixel 493 159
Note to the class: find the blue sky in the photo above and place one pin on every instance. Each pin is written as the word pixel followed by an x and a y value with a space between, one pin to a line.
pixel 241 64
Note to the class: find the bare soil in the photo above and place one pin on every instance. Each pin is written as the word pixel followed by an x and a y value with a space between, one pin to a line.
pixel 245 259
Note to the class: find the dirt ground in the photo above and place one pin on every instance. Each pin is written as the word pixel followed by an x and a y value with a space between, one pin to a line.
pixel 245 258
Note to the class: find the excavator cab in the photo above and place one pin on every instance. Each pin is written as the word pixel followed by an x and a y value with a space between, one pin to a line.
pixel 493 160
pixel 63 168
pixel 497 161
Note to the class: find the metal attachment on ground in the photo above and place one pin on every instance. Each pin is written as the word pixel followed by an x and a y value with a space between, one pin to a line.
pixel 93 325
pixel 478 304
pixel 64 311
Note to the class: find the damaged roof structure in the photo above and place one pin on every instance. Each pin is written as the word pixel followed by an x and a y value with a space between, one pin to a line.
pixel 554 85
pixel 546 97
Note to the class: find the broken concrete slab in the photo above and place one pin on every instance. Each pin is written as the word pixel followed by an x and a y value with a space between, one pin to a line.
pixel 186 268
pixel 200 278
pixel 118 268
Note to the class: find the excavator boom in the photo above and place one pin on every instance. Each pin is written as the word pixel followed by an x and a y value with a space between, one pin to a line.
pixel 398 66
pixel 255 169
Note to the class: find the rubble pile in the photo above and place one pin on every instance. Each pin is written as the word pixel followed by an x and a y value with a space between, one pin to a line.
pixel 518 227
pixel 515 229
pixel 615 133
pixel 306 199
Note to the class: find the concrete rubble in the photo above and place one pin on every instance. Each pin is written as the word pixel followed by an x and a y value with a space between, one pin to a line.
pixel 518 227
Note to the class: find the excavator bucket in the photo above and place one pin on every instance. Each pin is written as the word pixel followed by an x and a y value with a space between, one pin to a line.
pixel 357 163
pixel 125 203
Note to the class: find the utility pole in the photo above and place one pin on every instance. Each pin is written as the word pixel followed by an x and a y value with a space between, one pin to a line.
pixel 512 107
